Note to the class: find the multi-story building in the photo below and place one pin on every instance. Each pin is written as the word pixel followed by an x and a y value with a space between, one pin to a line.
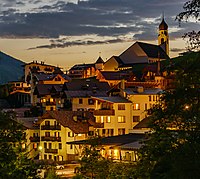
pixel 47 136
pixel 115 113
pixel 86 70
pixel 78 93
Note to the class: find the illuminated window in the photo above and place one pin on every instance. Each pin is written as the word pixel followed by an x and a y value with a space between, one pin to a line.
pixel 121 106
pixel 102 119
pixel 35 145
pixel 43 100
pixel 79 135
pixel 108 119
pixel 51 100
pixel 121 119
pixel 136 106
pixel 70 134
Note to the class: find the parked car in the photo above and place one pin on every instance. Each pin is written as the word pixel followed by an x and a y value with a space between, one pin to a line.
pixel 59 167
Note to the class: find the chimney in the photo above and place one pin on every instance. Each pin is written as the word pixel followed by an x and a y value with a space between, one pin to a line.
pixel 140 89
pixel 122 85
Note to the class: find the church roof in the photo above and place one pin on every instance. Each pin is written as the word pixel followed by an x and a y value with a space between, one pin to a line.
pixel 163 25
pixel 153 51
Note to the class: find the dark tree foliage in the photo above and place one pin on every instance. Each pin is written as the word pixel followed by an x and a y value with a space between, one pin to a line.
pixel 172 148
pixel 92 163
pixel 14 161
pixel 191 10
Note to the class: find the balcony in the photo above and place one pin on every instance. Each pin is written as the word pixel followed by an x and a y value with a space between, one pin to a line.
pixel 56 139
pixel 48 103
pixel 53 151
pixel 34 139
pixel 50 127
pixel 104 112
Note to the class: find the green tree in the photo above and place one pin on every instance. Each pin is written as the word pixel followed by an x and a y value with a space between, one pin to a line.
pixel 191 10
pixel 51 174
pixel 14 159
pixel 93 165
pixel 172 149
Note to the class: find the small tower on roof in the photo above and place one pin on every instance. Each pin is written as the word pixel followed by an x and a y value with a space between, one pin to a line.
pixel 99 63
pixel 163 36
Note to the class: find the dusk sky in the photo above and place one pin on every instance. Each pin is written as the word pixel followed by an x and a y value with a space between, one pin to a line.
pixel 65 32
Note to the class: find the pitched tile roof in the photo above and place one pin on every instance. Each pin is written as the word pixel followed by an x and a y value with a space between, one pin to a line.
pixel 144 123
pixel 115 75
pixel 66 119
pixel 49 77
pixel 115 140
pixel 45 89
pixel 84 93
pixel 113 99
pixel 82 66
pixel 88 84
pixel 153 51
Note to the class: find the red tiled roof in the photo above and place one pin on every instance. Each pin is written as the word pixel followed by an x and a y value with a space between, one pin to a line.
pixel 66 119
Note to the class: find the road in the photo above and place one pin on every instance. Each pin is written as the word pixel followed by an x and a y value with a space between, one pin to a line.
pixel 68 171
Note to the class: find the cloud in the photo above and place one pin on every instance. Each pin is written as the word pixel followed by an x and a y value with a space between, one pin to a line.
pixel 177 49
pixel 61 43
pixel 112 18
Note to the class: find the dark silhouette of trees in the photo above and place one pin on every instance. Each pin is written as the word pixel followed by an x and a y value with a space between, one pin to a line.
pixel 14 158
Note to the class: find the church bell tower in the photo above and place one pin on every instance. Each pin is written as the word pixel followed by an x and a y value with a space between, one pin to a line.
pixel 163 37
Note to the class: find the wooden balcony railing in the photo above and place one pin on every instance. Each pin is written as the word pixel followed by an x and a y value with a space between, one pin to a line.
pixel 50 127
pixel 104 112
pixel 53 151
pixel 56 139
pixel 34 139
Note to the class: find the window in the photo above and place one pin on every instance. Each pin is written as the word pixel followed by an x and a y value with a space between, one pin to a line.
pixel 90 101
pixel 136 118
pixel 108 132
pixel 121 131
pixel 136 106
pixel 50 157
pixel 45 145
pixel 145 107
pixel 47 123
pixel 60 146
pixel 70 134
pixel 121 106
pixel 154 98
pixel 108 119
pixel 71 146
pixel 45 157
pixel 50 145
pixel 149 98
pixel 47 134
pixel 35 145
pixel 121 119
pixel 80 101
pixel 102 119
